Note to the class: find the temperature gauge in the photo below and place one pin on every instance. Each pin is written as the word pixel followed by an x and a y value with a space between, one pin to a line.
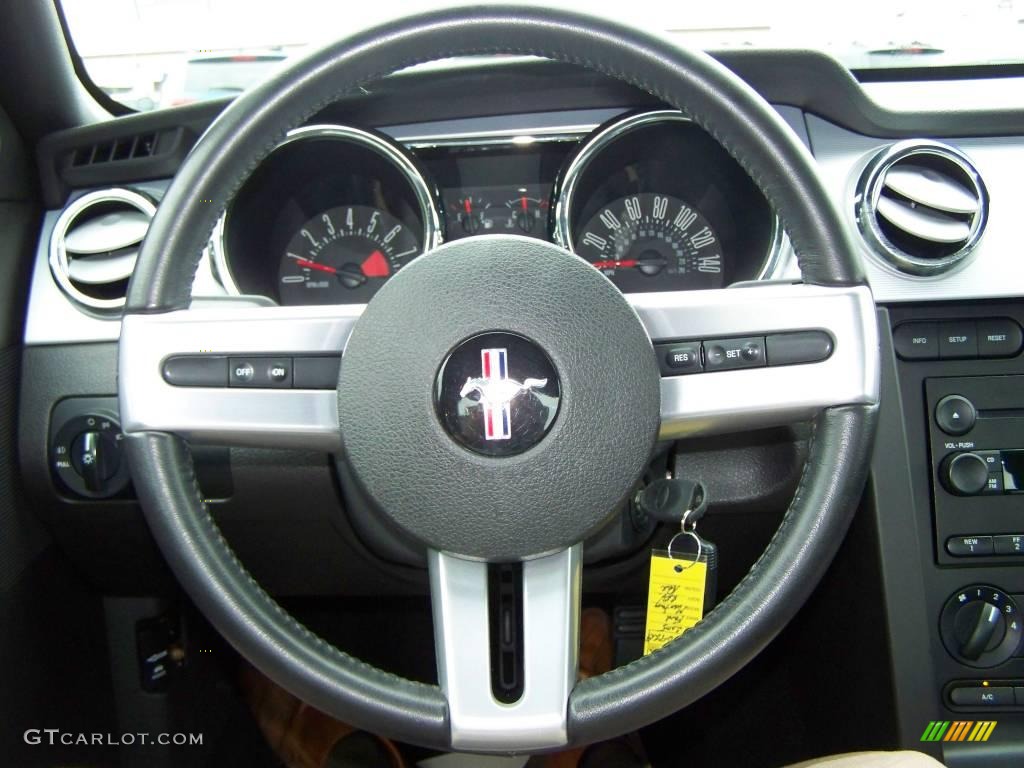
pixel 527 215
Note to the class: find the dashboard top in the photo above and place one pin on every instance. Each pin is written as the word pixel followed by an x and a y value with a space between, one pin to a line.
pixel 523 106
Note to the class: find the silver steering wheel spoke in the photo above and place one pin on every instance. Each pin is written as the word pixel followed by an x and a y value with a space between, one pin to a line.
pixel 769 395
pixel 704 403
pixel 550 648
pixel 232 415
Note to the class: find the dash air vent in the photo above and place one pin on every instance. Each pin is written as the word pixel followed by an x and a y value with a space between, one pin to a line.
pixel 124 148
pixel 95 243
pixel 922 206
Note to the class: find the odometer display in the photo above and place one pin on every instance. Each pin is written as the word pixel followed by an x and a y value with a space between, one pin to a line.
pixel 652 242
pixel 344 255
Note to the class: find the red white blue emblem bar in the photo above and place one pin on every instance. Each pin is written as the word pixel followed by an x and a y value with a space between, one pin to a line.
pixel 497 416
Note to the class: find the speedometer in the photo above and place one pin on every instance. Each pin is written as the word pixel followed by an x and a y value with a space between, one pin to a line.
pixel 648 237
pixel 344 255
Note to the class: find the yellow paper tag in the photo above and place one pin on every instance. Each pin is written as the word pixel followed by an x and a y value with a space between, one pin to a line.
pixel 675 599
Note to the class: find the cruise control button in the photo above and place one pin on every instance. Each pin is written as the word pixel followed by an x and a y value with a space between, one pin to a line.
pixel 958 339
pixel 969 546
pixel 196 371
pixel 999 337
pixel 917 341
pixel 982 696
pixel 799 347
pixel 726 354
pixel 955 415
pixel 1010 544
pixel 278 372
pixel 242 372
pixel 316 372
pixel 678 359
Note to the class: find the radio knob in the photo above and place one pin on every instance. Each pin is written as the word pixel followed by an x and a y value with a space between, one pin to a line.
pixel 964 474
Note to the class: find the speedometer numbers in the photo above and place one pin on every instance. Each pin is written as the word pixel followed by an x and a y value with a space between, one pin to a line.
pixel 651 242
pixel 344 255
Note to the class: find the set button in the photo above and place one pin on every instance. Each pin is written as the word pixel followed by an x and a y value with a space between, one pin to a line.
pixel 726 354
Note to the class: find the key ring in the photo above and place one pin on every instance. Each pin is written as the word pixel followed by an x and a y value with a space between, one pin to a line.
pixel 692 533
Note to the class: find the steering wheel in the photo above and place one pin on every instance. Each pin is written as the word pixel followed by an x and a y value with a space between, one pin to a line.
pixel 586 348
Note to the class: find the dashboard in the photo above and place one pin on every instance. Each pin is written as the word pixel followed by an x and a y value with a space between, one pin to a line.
pixel 364 189
pixel 648 198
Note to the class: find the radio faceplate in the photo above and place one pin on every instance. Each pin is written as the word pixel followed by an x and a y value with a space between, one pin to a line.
pixel 976 452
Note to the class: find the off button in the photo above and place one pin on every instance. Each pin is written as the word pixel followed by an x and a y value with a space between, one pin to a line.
pixel 241 373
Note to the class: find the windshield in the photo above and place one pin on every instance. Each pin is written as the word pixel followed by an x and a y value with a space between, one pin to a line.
pixel 154 53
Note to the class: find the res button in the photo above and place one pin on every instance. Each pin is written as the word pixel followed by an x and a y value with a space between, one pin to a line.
pixel 677 359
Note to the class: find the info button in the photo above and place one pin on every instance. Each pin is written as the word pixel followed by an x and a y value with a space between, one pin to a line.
pixel 677 359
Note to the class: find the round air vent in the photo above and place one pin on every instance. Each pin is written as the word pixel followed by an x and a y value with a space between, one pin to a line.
pixel 95 243
pixel 922 206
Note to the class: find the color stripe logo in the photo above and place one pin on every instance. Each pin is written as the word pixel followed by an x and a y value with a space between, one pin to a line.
pixel 959 730
pixel 497 415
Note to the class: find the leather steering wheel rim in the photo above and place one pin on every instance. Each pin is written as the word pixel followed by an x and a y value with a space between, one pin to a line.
pixel 813 527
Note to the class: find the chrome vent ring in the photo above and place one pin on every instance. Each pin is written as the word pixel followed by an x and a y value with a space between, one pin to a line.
pixel 922 206
pixel 95 243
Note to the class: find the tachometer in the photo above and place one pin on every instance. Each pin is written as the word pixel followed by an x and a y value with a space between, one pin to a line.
pixel 649 237
pixel 344 255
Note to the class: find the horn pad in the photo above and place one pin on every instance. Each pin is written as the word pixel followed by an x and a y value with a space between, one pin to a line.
pixel 499 398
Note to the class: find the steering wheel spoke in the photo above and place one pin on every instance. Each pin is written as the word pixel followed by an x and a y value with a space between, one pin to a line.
pixel 550 597
pixel 265 416
pixel 766 394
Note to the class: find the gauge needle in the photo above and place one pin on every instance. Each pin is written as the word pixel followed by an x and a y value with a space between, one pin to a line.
pixel 523 203
pixel 375 265
pixel 313 265
pixel 613 264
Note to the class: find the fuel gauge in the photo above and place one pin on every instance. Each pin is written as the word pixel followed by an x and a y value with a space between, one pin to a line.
pixel 472 214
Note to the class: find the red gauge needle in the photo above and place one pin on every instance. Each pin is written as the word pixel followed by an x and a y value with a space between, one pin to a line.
pixel 523 203
pixel 313 265
pixel 613 264
pixel 468 205
pixel 376 265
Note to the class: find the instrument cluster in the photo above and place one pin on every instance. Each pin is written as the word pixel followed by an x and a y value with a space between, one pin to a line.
pixel 649 199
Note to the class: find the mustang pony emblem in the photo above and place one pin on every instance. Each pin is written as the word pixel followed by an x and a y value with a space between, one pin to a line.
pixel 496 392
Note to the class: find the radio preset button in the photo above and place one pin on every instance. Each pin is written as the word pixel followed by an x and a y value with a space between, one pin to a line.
pixel 1009 544
pixel 969 546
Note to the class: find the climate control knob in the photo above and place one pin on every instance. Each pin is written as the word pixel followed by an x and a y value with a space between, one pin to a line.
pixel 981 626
pixel 964 474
